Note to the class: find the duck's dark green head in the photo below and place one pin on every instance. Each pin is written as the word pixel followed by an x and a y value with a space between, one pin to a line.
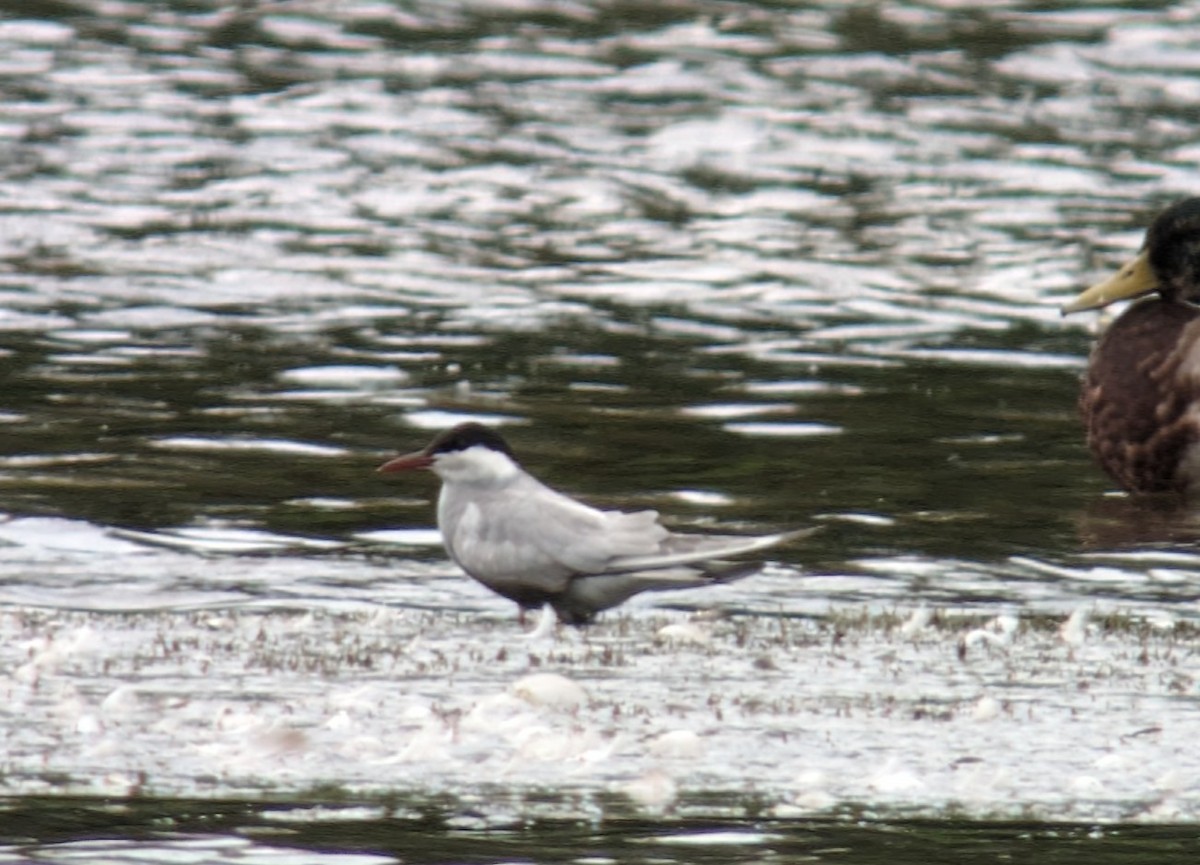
pixel 1173 249
pixel 1169 263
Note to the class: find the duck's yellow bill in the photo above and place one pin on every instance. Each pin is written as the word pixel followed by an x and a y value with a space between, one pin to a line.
pixel 1133 280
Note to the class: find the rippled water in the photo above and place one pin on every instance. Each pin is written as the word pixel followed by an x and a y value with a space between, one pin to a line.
pixel 356 835
pixel 755 265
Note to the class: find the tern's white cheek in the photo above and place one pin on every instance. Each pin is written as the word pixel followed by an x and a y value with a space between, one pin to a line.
pixel 475 465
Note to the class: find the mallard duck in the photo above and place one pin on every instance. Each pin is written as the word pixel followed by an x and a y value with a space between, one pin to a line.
pixel 1141 394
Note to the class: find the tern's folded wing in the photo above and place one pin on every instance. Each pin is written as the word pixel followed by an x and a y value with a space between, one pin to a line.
pixel 580 538
pixel 533 534
pixel 685 549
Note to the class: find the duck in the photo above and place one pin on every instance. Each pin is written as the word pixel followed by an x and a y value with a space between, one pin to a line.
pixel 1140 395
pixel 543 549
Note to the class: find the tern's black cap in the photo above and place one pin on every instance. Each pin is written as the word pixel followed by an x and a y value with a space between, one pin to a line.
pixel 468 435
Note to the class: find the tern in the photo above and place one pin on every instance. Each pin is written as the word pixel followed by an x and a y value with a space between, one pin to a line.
pixel 536 546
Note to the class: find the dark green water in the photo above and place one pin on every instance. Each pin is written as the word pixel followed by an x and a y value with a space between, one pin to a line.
pixel 421 833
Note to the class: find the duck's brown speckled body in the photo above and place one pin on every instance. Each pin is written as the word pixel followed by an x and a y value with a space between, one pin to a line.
pixel 1141 394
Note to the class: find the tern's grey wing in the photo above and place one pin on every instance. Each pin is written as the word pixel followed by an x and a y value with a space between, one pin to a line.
pixel 685 549
pixel 530 536
pixel 580 537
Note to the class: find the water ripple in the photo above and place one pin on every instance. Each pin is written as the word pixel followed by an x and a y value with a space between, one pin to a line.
pixel 759 264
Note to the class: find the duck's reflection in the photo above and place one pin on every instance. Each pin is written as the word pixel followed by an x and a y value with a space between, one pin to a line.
pixel 1118 520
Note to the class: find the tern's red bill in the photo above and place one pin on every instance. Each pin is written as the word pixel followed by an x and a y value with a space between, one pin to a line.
pixel 407 462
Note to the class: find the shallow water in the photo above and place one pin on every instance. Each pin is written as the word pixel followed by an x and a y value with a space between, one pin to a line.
pixel 415 830
pixel 756 266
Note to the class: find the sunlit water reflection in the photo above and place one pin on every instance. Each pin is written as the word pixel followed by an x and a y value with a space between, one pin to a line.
pixel 755 267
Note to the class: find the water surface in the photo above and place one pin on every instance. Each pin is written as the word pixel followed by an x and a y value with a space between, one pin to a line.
pixel 754 265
